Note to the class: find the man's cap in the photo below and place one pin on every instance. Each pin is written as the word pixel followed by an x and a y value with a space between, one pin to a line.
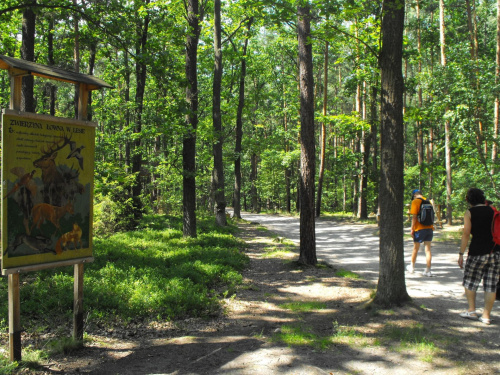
pixel 415 192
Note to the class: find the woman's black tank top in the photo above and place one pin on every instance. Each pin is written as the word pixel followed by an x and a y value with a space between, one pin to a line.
pixel 482 240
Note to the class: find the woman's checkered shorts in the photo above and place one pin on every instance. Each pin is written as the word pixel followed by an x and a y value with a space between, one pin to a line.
pixel 482 267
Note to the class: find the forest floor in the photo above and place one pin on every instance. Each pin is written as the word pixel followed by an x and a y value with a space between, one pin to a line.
pixel 287 319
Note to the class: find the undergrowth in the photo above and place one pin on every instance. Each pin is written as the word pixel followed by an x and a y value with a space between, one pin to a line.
pixel 153 272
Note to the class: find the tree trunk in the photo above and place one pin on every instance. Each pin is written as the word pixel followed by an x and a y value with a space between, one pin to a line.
pixel 253 181
pixel 93 52
pixel 307 154
pixel 323 135
pixel 189 142
pixel 218 173
pixel 447 136
pixel 50 58
pixel 76 56
pixel 494 151
pixel 391 289
pixel 365 152
pixel 28 53
pixel 140 76
pixel 239 128
pixel 127 111
pixel 420 136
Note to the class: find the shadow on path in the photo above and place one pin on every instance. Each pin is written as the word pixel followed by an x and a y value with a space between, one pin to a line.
pixel 355 247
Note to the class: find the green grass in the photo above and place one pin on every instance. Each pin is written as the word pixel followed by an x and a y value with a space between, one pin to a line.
pixel 347 274
pixel 150 273
pixel 274 252
pixel 302 335
pixel 303 306
pixel 448 236
pixel 416 337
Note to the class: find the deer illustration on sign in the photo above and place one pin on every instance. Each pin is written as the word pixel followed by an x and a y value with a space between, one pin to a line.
pixel 56 185
pixel 45 212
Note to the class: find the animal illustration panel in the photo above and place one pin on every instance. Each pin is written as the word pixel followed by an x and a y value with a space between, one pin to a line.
pixel 47 190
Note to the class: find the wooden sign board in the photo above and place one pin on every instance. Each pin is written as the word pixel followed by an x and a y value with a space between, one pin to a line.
pixel 47 190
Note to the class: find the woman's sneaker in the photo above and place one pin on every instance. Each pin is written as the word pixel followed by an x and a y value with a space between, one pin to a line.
pixel 410 268
pixel 427 273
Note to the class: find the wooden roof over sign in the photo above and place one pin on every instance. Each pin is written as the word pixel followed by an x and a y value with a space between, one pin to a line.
pixel 22 67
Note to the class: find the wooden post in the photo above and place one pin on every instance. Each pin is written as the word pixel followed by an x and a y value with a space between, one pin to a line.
pixel 83 100
pixel 78 303
pixel 83 96
pixel 16 84
pixel 14 318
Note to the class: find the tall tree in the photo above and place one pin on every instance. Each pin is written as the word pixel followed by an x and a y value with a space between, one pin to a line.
pixel 307 149
pixel 494 152
pixel 447 130
pixel 189 142
pixel 239 126
pixel 142 27
pixel 28 53
pixel 218 171
pixel 391 288
pixel 323 132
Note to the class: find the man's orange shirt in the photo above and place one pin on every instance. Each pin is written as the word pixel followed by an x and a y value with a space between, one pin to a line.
pixel 415 208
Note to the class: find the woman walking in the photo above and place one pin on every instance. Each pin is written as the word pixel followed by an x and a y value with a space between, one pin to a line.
pixel 483 258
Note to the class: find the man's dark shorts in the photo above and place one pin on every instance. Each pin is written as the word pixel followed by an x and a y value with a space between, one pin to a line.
pixel 423 235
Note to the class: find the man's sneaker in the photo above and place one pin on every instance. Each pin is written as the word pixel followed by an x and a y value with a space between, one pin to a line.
pixel 410 268
pixel 427 273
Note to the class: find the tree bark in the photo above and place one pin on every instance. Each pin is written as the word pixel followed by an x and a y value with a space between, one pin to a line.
pixel 447 130
pixel 140 76
pixel 239 128
pixel 253 183
pixel 76 56
pixel 307 154
pixel 391 289
pixel 50 59
pixel 494 151
pixel 323 134
pixel 28 53
pixel 218 172
pixel 189 142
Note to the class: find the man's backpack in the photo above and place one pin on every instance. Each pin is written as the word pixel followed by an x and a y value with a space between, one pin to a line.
pixel 426 214
pixel 495 226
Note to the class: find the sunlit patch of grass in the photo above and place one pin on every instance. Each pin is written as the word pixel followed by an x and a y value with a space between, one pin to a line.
pixel 300 335
pixel 349 335
pixel 295 335
pixel 347 274
pixel 416 337
pixel 448 236
pixel 33 359
pixel 64 345
pixel 274 252
pixel 304 306
pixel 6 366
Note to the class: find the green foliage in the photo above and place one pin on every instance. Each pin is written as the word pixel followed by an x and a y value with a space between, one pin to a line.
pixel 306 306
pixel 347 274
pixel 149 273
pixel 6 366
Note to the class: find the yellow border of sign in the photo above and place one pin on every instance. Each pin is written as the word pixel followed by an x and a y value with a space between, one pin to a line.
pixel 25 136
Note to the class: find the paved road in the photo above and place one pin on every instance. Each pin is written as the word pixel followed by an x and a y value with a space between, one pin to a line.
pixel 355 247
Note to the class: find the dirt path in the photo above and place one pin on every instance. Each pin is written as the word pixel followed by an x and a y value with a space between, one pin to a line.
pixel 268 329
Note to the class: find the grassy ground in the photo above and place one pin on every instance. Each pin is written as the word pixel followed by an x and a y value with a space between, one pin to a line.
pixel 152 273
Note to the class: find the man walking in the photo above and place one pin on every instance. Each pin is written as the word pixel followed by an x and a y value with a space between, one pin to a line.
pixel 422 230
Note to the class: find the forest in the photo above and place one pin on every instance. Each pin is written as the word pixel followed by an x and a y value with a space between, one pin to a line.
pixel 237 106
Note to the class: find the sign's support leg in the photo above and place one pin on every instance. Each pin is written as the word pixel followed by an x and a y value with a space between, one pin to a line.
pixel 14 318
pixel 78 303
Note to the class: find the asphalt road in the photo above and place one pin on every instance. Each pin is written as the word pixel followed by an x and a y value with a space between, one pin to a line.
pixel 355 247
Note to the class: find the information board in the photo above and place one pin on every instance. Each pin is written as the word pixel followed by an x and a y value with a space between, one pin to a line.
pixel 47 189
